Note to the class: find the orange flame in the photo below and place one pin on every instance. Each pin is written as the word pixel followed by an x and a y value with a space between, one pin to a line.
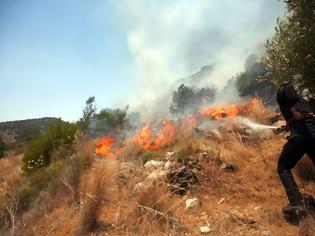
pixel 219 112
pixel 104 146
pixel 146 140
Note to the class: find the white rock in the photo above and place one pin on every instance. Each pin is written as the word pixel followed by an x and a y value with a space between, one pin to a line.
pixel 153 165
pixel 169 155
pixel 192 202
pixel 204 229
pixel 203 154
pixel 257 208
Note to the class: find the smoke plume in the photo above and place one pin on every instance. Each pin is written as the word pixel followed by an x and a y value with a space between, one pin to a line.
pixel 172 39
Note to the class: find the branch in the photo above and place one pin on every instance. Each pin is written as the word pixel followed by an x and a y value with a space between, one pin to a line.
pixel 151 210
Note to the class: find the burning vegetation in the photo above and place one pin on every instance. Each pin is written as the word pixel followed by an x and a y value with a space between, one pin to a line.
pixel 185 176
pixel 210 170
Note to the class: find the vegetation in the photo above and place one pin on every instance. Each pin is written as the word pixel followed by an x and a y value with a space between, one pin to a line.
pixel 113 118
pixel 39 150
pixel 186 99
pixel 2 146
pixel 26 130
pixel 290 54
pixel 105 121
pixel 254 81
pixel 88 113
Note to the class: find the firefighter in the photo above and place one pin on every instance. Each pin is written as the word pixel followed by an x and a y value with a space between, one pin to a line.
pixel 301 123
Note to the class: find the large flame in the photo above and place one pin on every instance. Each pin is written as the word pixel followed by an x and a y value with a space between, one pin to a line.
pixel 220 111
pixel 104 146
pixel 147 141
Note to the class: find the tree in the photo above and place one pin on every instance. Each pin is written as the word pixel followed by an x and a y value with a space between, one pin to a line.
pixel 254 80
pixel 290 55
pixel 88 113
pixel 186 99
pixel 182 99
pixel 112 118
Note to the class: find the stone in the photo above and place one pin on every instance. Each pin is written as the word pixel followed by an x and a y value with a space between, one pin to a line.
pixel 227 167
pixel 169 155
pixel 204 229
pixel 192 203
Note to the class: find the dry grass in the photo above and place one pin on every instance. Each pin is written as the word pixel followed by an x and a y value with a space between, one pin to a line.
pixel 252 194
pixel 99 188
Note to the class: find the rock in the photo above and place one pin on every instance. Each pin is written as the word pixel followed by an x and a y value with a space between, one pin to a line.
pixel 202 155
pixel 227 167
pixel 153 165
pixel 257 208
pixel 169 155
pixel 192 203
pixel 204 229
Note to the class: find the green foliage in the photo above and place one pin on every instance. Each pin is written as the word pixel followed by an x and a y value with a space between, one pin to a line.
pixel 2 146
pixel 88 113
pixel 38 153
pixel 290 55
pixel 254 81
pixel 185 99
pixel 113 118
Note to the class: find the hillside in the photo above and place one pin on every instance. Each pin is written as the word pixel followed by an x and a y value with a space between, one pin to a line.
pixel 22 130
pixel 144 188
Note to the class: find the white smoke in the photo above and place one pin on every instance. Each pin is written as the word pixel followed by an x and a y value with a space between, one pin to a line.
pixel 171 39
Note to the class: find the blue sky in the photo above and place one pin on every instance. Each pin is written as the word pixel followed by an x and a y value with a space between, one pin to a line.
pixel 54 54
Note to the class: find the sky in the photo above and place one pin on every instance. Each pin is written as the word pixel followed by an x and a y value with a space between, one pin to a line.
pixel 54 54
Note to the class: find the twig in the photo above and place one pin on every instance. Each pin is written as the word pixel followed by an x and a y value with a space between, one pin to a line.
pixel 149 209
pixel 66 182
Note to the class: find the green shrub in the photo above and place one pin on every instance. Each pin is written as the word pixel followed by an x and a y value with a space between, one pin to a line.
pixel 2 147
pixel 39 151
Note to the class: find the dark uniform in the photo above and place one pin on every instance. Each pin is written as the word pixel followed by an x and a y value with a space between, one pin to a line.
pixel 301 122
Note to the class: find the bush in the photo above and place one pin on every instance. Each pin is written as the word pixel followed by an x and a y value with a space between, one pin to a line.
pixel 38 153
pixel 2 147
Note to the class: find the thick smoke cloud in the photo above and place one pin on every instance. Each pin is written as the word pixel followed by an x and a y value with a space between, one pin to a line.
pixel 171 39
